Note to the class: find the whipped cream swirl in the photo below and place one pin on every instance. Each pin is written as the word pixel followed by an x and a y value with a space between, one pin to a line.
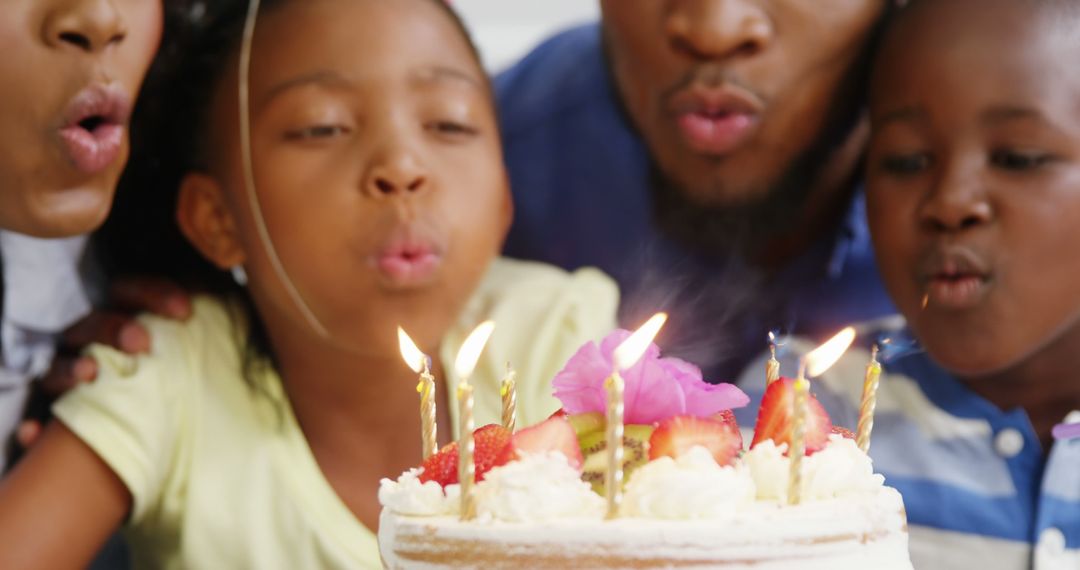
pixel 408 496
pixel 690 487
pixel 838 470
pixel 537 487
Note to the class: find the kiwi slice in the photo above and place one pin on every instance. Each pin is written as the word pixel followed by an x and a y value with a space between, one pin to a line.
pixel 587 423
pixel 635 454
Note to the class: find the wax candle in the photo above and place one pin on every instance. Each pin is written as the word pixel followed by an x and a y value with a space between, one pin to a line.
pixel 420 363
pixel 508 391
pixel 869 402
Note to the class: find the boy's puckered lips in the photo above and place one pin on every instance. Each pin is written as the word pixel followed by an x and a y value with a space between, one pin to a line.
pixel 94 127
pixel 955 277
pixel 715 120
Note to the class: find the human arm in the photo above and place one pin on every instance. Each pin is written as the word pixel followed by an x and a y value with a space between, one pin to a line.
pixel 59 505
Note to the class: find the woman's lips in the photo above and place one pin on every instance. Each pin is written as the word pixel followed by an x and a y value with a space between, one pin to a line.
pixel 95 126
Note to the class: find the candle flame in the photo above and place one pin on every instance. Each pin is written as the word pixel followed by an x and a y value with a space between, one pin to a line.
pixel 632 349
pixel 823 357
pixel 412 355
pixel 470 351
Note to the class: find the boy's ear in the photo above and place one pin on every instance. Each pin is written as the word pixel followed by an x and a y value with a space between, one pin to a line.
pixel 205 219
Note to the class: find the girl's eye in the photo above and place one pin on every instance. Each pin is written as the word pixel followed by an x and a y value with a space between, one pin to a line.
pixel 452 128
pixel 905 164
pixel 317 132
pixel 1018 161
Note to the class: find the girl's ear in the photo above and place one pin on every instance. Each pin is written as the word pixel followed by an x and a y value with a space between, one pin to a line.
pixel 205 219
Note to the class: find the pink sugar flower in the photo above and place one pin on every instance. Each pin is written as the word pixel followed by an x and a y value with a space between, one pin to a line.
pixel 656 388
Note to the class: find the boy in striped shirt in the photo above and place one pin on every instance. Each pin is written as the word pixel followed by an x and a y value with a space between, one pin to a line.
pixel 973 201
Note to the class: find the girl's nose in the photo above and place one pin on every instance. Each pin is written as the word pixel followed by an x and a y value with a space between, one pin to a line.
pixel 398 173
pixel 86 25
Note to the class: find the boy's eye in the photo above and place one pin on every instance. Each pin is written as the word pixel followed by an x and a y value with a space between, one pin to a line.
pixel 452 128
pixel 316 132
pixel 905 164
pixel 1016 160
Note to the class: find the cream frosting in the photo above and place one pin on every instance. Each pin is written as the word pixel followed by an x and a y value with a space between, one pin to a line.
pixel 838 470
pixel 693 486
pixel 408 496
pixel 537 487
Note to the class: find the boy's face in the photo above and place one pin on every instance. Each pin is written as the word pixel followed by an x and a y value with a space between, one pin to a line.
pixel 69 75
pixel 730 94
pixel 974 178
pixel 377 162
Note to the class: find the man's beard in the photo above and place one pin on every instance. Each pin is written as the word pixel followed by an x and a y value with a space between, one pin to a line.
pixel 743 229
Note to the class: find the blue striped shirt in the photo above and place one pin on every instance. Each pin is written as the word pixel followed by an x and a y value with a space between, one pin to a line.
pixel 978 490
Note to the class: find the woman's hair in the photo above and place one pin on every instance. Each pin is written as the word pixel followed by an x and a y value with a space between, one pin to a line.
pixel 170 133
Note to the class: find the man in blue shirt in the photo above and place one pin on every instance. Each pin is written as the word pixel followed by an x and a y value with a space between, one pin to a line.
pixel 705 154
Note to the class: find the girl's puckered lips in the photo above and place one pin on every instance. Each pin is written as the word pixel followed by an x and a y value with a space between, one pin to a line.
pixel 409 259
pixel 94 127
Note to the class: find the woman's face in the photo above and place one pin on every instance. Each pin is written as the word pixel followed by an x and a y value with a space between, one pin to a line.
pixel 68 79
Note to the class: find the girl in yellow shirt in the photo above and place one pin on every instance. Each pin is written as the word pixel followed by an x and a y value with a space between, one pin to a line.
pixel 254 435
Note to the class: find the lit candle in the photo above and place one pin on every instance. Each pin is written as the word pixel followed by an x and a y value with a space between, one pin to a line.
pixel 772 367
pixel 627 354
pixel 798 442
pixel 508 391
pixel 614 476
pixel 464 365
pixel 466 447
pixel 813 364
pixel 421 364
pixel 869 402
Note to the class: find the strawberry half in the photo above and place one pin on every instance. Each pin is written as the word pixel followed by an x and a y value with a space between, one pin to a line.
pixel 774 418
pixel 843 432
pixel 726 417
pixel 552 434
pixel 489 442
pixel 676 435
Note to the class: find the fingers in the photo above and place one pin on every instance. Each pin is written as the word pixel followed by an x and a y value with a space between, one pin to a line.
pixel 159 296
pixel 117 330
pixel 66 373
pixel 27 433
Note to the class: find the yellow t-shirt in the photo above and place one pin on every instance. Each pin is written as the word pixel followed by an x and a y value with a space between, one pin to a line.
pixel 221 474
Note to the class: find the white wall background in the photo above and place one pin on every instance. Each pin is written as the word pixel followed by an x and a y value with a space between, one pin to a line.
pixel 505 30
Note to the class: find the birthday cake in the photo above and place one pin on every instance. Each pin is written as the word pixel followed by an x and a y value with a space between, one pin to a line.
pixel 693 497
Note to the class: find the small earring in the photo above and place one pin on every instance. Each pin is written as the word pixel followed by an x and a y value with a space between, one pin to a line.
pixel 239 275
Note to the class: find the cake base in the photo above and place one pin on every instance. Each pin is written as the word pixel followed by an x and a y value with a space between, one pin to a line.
pixel 858 532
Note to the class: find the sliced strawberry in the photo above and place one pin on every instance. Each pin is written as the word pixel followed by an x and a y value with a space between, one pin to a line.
pixel 843 432
pixel 726 417
pixel 774 418
pixel 676 435
pixel 489 442
pixel 558 412
pixel 442 467
pixel 552 434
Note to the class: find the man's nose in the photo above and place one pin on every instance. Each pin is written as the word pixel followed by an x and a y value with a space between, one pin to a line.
pixel 718 29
